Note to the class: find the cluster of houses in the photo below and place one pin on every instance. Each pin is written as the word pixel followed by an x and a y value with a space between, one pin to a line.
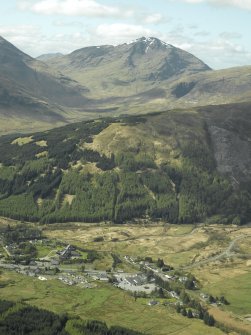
pixel 135 283
pixel 68 252
pixel 72 279
pixel 29 272
pixel 136 280
pixel 99 275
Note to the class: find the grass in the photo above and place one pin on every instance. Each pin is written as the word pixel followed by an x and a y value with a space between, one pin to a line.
pixel 245 246
pixel 7 172
pixel 174 244
pixel 158 136
pixel 43 250
pixel 237 290
pixel 25 125
pixel 177 245
pixel 2 252
pixel 22 140
pixel 41 143
pixel 102 303
pixel 177 230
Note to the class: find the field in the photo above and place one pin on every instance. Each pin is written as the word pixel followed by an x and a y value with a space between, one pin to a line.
pixel 218 256
pixel 103 303
pixel 177 245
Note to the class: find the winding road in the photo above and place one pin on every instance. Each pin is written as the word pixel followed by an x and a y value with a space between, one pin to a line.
pixel 225 254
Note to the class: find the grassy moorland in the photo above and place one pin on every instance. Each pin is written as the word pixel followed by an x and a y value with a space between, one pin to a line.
pixel 202 250
pixel 215 255
pixel 103 303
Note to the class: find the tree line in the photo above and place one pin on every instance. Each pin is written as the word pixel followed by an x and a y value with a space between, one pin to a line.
pixel 19 318
pixel 129 184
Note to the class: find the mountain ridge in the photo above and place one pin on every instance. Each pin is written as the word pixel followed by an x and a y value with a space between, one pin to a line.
pixel 180 166
pixel 131 78
pixel 146 60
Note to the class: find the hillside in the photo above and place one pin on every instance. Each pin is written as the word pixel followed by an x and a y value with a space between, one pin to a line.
pixel 181 166
pixel 30 92
pixel 214 87
pixel 127 69
pixel 20 318
pixel 152 74
pixel 147 75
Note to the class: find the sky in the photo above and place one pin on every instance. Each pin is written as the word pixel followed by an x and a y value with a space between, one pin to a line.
pixel 216 31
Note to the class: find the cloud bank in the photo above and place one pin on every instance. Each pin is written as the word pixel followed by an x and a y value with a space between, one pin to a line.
pixel 73 8
pixel 243 4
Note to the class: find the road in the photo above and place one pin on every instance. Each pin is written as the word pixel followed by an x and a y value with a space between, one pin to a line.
pixel 228 252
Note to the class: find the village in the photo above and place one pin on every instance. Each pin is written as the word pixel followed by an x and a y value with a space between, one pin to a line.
pixel 158 283
pixel 54 265
pixel 143 282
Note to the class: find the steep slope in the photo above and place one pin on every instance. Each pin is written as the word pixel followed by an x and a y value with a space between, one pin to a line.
pixel 153 75
pixel 176 166
pixel 36 78
pixel 147 75
pixel 215 87
pixel 127 69
pixel 30 89
pixel 230 131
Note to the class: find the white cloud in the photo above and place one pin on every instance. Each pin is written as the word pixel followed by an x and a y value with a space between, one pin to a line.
pixel 63 23
pixel 244 4
pixel 122 32
pixel 230 35
pixel 202 33
pixel 219 52
pixel 20 35
pixel 26 37
pixel 73 8
pixel 154 18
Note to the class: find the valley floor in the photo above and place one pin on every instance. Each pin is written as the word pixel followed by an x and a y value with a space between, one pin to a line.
pixel 219 257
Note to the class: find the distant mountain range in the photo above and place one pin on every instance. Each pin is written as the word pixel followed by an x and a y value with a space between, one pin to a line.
pixel 145 75
pixel 186 159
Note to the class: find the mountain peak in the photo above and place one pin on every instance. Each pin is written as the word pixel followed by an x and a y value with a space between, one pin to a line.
pixel 9 53
pixel 153 42
pixel 150 39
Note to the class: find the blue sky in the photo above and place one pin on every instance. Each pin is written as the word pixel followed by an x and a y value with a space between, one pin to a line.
pixel 217 31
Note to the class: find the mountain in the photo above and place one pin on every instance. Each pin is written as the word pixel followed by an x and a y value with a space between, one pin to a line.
pixel 46 57
pixel 127 69
pixel 214 87
pixel 180 166
pixel 36 78
pixel 31 91
pixel 147 75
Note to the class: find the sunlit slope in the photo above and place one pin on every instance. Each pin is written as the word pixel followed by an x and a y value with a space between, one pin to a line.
pixel 30 90
pixel 172 166
pixel 126 69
